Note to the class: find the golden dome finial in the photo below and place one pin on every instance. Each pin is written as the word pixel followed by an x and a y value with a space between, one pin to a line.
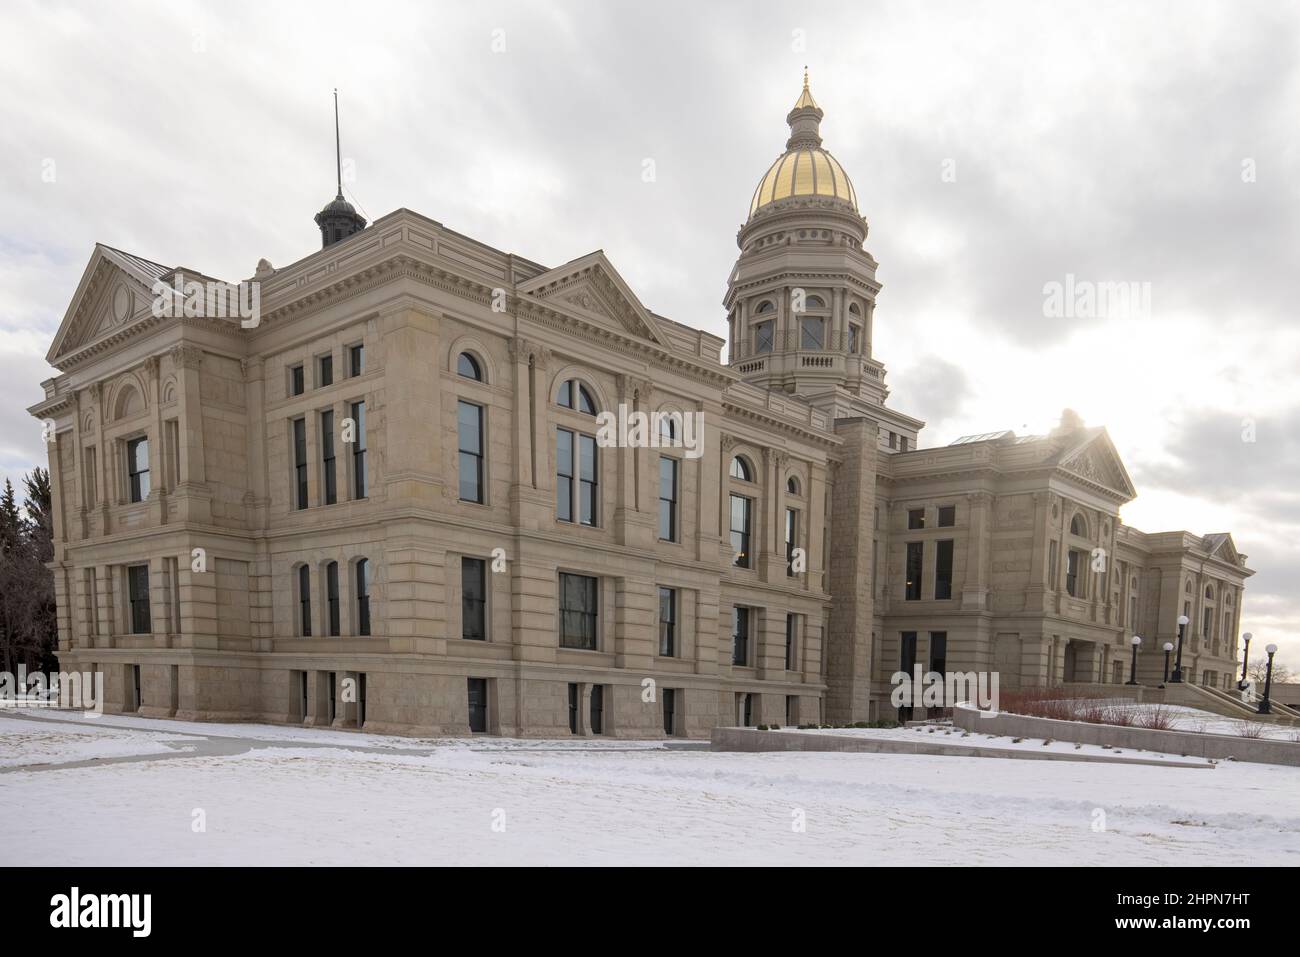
pixel 805 98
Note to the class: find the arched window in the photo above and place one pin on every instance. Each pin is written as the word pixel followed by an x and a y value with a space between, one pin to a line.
pixel 668 427
pixel 574 395
pixel 792 485
pixel 740 469
pixel 1209 592
pixel 332 598
pixel 363 596
pixel 304 601
pixel 765 306
pixel 468 366
pixel 1078 526
pixel 815 302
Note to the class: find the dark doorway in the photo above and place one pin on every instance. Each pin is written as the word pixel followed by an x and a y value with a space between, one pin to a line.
pixel 361 700
pixel 573 708
pixel 670 711
pixel 597 709
pixel 478 705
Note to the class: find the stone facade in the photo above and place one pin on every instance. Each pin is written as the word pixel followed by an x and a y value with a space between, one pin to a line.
pixel 386 501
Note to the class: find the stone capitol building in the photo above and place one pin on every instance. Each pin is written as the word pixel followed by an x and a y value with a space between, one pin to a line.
pixel 386 505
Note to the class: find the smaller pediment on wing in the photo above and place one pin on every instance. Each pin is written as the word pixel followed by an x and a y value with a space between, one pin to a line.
pixel 116 290
pixel 592 288
pixel 1096 460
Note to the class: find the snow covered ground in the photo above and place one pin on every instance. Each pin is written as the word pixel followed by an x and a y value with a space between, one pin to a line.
pixel 273 795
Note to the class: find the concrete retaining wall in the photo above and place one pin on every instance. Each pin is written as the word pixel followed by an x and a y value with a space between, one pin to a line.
pixel 748 739
pixel 1217 746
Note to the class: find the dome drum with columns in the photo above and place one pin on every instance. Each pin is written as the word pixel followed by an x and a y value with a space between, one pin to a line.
pixel 801 299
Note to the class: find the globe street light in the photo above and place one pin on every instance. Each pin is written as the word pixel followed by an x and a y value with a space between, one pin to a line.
pixel 1133 666
pixel 1169 646
pixel 1178 659
pixel 1245 657
pixel 1268 680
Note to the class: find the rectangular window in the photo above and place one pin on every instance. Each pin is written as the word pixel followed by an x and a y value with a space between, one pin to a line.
pixel 332 598
pixel 1073 585
pixel 667 499
pixel 915 518
pixel 329 476
pixel 564 475
pixel 300 462
pixel 907 652
pixel 853 339
pixel 137 468
pixel 667 622
pixel 740 635
pixel 324 371
pixel 92 478
pixel 297 380
pixel 741 525
pixel 473 599
pixel 915 553
pixel 578 612
pixel 902 443
pixel 1133 613
pixel 359 450
pixel 791 640
pixel 893 440
pixel 939 651
pixel 1207 623
pixel 137 591
pixel 575 457
pixel 763 333
pixel 587 480
pixel 943 570
pixel 791 539
pixel 478 705
pixel 304 601
pixel 356 359
pixel 363 597
pixel 469 427
pixel 812 334
pixel 947 516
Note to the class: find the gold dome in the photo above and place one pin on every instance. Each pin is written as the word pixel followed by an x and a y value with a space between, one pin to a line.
pixel 804 169
pixel 804 172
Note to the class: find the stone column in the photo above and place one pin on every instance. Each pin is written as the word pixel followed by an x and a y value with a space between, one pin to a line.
pixel 848 651
pixel 414 472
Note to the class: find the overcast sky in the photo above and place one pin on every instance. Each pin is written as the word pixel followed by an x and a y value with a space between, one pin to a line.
pixel 994 147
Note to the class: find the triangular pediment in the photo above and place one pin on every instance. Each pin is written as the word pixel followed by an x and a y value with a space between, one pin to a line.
pixel 1222 547
pixel 591 288
pixel 1095 460
pixel 115 293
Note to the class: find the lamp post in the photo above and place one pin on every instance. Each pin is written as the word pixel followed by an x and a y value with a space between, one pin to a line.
pixel 1178 659
pixel 1169 646
pixel 1133 665
pixel 1245 659
pixel 1268 680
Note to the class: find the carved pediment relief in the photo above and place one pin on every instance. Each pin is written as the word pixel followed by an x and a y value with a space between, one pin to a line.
pixel 591 288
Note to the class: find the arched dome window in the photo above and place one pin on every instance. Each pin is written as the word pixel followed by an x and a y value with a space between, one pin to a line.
pixel 792 485
pixel 740 469
pixel 1078 526
pixel 765 306
pixel 574 395
pixel 468 366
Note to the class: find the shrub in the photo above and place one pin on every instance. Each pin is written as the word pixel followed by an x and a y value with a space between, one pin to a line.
pixel 762 727
pixel 1251 729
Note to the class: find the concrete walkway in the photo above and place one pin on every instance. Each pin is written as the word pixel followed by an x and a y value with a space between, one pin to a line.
pixel 206 744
